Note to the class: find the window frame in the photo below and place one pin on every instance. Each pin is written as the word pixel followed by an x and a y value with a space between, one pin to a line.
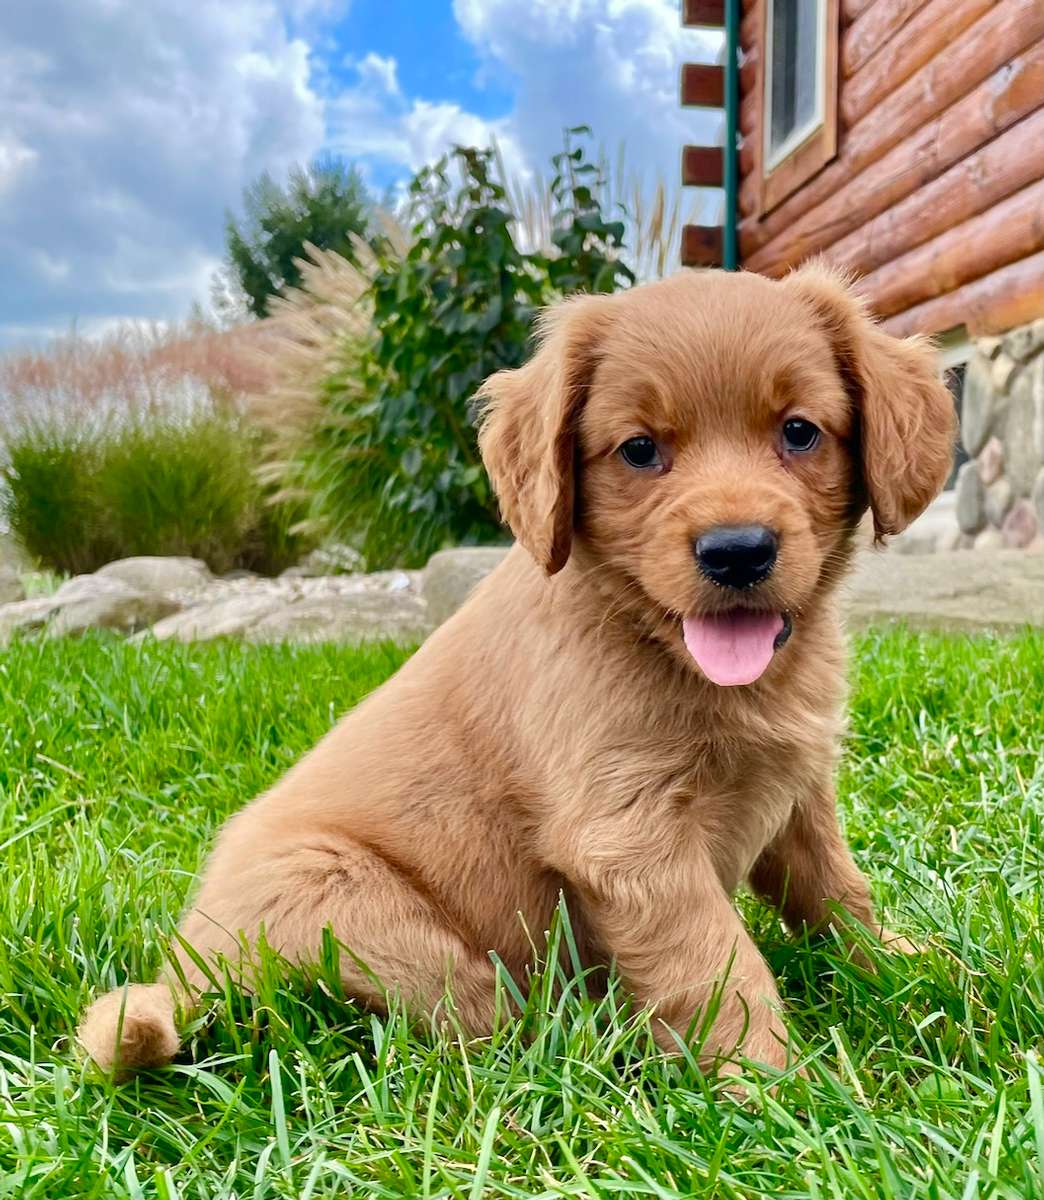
pixel 806 151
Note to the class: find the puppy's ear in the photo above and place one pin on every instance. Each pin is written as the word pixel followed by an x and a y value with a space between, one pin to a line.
pixel 907 419
pixel 528 424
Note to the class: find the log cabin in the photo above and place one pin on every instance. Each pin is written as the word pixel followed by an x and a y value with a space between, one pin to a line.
pixel 904 141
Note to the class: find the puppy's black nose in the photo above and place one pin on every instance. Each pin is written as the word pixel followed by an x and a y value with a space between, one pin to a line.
pixel 737 556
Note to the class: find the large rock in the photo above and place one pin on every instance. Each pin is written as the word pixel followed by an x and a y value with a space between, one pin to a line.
pixel 152 573
pixel 980 406
pixel 1038 499
pixel 451 576
pixel 971 496
pixel 11 586
pixel 991 461
pixel 1020 525
pixel 1023 343
pixel 999 499
pixel 1022 457
pixel 231 617
pixel 25 616
pixel 400 617
pixel 962 590
pixel 935 529
pixel 97 602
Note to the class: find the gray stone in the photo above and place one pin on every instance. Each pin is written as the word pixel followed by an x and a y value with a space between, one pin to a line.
pixel 25 616
pixel 980 406
pixel 451 575
pixel 93 602
pixel 231 617
pixel 963 590
pixel 999 498
pixel 1038 498
pixel 1020 525
pixel 989 539
pixel 391 616
pixel 1036 386
pixel 1002 372
pixel 1022 343
pixel 155 573
pixel 935 529
pixel 11 586
pixel 989 347
pixel 326 560
pixel 1022 460
pixel 971 514
pixel 991 461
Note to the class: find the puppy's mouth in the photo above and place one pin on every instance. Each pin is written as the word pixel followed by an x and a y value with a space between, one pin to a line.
pixel 735 647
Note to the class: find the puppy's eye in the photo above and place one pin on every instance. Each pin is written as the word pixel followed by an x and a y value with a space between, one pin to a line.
pixel 642 453
pixel 800 435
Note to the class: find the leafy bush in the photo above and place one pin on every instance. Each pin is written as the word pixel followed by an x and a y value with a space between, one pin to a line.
pixel 136 445
pixel 392 464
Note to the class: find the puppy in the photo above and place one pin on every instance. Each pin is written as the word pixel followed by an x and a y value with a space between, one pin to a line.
pixel 640 708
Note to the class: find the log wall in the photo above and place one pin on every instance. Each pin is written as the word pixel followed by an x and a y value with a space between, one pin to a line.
pixel 935 198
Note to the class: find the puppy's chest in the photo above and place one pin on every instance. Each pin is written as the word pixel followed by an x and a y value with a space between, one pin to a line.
pixel 734 806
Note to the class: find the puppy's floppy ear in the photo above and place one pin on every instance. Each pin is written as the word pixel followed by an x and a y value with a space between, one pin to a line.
pixel 528 424
pixel 907 418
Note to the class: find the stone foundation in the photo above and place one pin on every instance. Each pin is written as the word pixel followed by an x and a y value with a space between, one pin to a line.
pixel 1000 490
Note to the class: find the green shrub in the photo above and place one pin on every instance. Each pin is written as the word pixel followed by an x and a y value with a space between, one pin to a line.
pixel 393 465
pixel 150 483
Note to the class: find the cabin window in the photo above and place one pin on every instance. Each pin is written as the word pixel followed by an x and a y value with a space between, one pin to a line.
pixel 798 94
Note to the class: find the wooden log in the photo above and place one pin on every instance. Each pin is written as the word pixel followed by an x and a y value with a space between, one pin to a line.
pixel 976 182
pixel 702 166
pixel 748 72
pixel 702 246
pixel 994 40
pixel 933 27
pixel 746 155
pixel 750 28
pixel 702 85
pixel 704 12
pixel 869 32
pixel 1012 296
pixel 853 9
pixel 750 112
pixel 991 239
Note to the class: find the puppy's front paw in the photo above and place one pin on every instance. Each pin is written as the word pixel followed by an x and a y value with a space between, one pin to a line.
pixel 895 943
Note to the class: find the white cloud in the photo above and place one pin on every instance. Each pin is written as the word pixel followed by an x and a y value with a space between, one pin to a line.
pixel 126 130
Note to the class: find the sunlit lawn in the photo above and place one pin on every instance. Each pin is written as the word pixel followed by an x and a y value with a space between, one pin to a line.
pixel 117 762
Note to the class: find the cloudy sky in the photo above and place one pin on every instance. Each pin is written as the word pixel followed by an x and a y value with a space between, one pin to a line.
pixel 129 127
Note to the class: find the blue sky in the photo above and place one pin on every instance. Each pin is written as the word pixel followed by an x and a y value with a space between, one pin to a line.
pixel 129 127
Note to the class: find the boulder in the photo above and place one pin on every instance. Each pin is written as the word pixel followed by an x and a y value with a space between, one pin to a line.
pixel 231 617
pixel 25 616
pixel 156 573
pixel 971 513
pixel 999 498
pixel 1023 343
pixel 1022 458
pixel 363 617
pixel 1038 498
pixel 1020 525
pixel 96 602
pixel 991 461
pixel 451 575
pixel 11 586
pixel 980 405
pixel 962 590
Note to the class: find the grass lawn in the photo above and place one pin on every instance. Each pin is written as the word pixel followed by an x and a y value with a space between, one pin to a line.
pixel 117 762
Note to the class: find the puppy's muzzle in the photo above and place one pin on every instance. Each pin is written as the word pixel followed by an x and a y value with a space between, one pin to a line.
pixel 737 556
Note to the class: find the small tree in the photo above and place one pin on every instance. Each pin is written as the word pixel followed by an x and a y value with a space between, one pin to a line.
pixel 325 204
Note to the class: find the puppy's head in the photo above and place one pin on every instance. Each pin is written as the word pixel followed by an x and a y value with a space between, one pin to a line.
pixel 708 444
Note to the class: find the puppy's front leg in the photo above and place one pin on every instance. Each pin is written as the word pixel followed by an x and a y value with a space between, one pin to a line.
pixel 808 872
pixel 658 908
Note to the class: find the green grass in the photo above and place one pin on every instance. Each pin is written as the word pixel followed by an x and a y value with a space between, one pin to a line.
pixel 117 763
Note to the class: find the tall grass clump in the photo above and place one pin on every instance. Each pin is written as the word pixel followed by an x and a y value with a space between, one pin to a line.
pixel 137 445
pixel 377 362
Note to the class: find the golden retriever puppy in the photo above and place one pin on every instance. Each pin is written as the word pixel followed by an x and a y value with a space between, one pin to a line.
pixel 640 708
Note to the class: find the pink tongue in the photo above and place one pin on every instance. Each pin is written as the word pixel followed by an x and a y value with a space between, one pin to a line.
pixel 733 648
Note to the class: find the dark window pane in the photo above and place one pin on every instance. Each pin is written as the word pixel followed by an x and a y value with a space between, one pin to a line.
pixel 795 78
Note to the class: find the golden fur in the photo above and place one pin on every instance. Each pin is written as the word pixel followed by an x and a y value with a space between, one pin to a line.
pixel 555 735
